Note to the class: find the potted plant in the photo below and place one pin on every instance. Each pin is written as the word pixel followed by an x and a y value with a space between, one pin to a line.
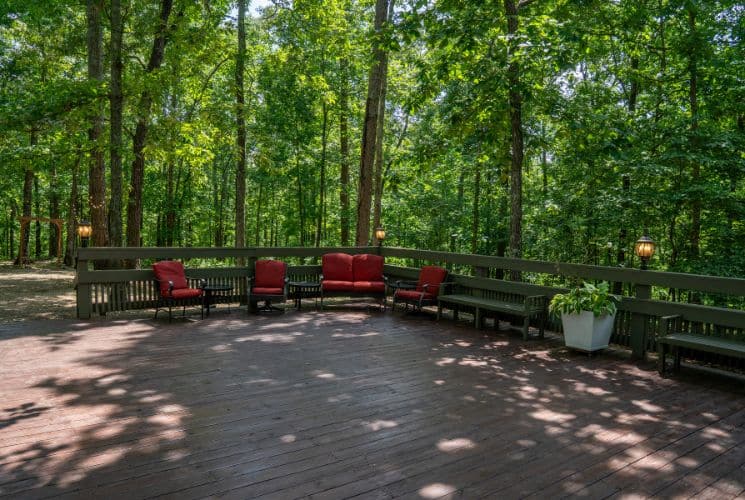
pixel 587 315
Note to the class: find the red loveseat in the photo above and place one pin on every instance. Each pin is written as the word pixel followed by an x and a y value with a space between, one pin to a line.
pixel 344 275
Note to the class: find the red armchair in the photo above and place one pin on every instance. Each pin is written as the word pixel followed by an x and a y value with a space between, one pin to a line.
pixel 268 283
pixel 173 288
pixel 424 292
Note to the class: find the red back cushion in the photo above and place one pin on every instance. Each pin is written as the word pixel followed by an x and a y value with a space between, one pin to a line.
pixel 170 270
pixel 433 275
pixel 337 267
pixel 270 274
pixel 367 267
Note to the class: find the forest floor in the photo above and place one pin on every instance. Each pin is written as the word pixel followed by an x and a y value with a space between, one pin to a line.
pixel 43 290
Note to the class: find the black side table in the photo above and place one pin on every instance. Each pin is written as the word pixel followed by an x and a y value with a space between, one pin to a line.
pixel 210 296
pixel 307 289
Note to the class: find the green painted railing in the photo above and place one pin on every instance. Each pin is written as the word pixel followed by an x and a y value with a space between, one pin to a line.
pixel 107 290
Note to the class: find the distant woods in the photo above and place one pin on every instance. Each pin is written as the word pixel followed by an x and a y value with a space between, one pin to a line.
pixel 542 129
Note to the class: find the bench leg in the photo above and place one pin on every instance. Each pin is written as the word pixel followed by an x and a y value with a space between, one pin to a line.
pixel 677 359
pixel 477 318
pixel 661 352
pixel 526 327
pixel 439 311
pixel 455 312
pixel 543 325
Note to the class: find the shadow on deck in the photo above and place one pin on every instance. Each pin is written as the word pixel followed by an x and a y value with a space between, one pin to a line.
pixel 348 402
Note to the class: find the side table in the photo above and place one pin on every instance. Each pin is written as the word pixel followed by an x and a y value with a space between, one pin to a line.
pixel 307 289
pixel 210 295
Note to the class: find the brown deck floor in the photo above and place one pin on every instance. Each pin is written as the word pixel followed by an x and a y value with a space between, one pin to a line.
pixel 347 403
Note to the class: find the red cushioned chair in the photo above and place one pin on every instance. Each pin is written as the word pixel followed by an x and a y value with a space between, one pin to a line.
pixel 422 293
pixel 269 283
pixel 173 289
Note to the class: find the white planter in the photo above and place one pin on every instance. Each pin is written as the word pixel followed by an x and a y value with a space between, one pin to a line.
pixel 587 332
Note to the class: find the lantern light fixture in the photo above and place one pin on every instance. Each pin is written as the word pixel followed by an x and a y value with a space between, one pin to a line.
pixel 84 232
pixel 644 249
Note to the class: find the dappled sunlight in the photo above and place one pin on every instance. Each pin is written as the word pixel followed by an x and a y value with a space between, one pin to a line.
pixel 380 424
pixel 455 445
pixel 288 438
pixel 270 338
pixel 323 374
pixel 436 490
pixel 355 335
pixel 548 415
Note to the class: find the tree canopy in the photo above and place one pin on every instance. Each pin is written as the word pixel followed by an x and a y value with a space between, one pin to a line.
pixel 545 129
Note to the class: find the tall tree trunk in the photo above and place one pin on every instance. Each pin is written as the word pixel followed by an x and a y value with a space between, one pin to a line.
pixel 300 205
pixel 96 173
pixel 28 186
pixel 322 183
pixel 344 149
pixel 476 221
pixel 53 213
pixel 72 212
pixel 369 133
pixel 116 107
pixel 379 159
pixel 240 117
pixel 12 236
pixel 516 132
pixel 695 233
pixel 37 224
pixel 134 203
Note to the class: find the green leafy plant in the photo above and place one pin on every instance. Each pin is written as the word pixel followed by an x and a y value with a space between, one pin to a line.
pixel 596 299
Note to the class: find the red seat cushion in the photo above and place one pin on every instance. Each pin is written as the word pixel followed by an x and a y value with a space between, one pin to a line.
pixel 413 295
pixel 170 270
pixel 259 290
pixel 432 275
pixel 337 267
pixel 367 267
pixel 270 274
pixel 369 286
pixel 337 285
pixel 187 293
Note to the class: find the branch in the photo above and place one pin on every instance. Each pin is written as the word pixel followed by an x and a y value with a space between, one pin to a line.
pixel 524 3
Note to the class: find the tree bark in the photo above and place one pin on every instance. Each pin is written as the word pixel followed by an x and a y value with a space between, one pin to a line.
pixel 516 132
pixel 37 224
pixel 240 117
pixel 476 210
pixel 72 212
pixel 28 186
pixel 96 173
pixel 344 149
pixel 379 157
pixel 53 212
pixel 369 133
pixel 322 183
pixel 116 108
pixel 134 204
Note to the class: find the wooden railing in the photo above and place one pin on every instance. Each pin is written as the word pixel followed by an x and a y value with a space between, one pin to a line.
pixel 103 291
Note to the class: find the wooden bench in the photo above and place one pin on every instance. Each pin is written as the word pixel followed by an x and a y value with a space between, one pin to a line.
pixel 524 306
pixel 673 338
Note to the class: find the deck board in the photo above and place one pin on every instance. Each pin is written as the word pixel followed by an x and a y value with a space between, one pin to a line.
pixel 349 403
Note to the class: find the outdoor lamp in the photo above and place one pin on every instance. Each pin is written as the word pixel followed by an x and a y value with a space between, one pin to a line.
pixel 644 249
pixel 84 231
pixel 379 234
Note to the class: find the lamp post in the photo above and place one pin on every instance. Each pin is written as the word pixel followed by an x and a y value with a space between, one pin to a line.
pixel 84 232
pixel 644 249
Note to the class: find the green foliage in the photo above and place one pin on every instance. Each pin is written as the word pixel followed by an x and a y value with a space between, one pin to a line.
pixel 588 297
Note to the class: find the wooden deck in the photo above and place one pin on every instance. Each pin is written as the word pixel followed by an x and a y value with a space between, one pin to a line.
pixel 346 403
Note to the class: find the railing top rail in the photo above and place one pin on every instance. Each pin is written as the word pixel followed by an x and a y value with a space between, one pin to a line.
pixel 102 253
pixel 698 282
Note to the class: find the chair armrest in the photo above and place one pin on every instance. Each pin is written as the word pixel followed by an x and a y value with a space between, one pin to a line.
pixel 447 285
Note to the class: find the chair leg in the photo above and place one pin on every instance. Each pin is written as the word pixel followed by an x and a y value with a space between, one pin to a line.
pixel 170 313
pixel 677 359
pixel 543 325
pixel 526 327
pixel 477 319
pixel 439 311
pixel 661 359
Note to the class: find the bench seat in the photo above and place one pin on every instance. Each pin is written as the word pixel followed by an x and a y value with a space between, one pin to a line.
pixel 532 306
pixel 716 345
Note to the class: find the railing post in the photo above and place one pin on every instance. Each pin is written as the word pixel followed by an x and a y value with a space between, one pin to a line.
pixel 639 324
pixel 83 290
